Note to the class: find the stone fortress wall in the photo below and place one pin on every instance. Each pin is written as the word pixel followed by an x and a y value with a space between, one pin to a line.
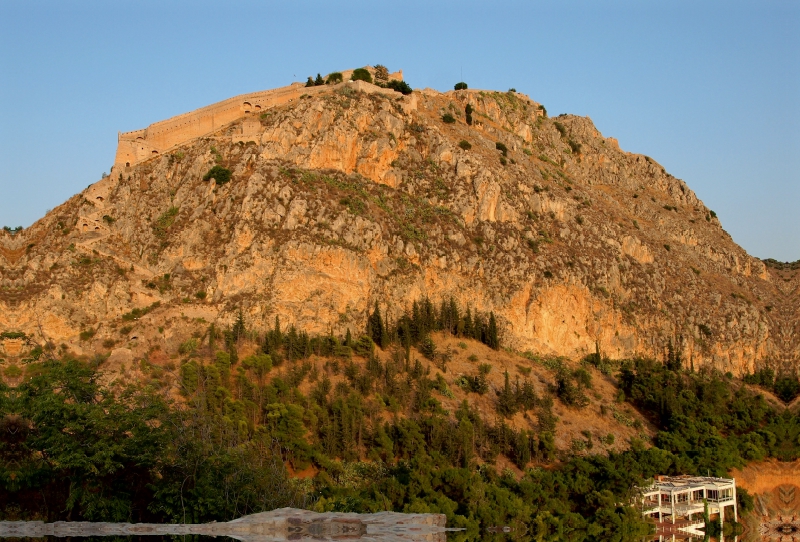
pixel 139 145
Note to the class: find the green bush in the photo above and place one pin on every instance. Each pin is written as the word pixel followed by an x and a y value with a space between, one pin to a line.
pixel 464 144
pixel 460 86
pixel 333 78
pixel 502 148
pixel 468 111
pixel 319 81
pixel 399 86
pixel 87 334
pixel 218 173
pixel 361 74
pixel 447 118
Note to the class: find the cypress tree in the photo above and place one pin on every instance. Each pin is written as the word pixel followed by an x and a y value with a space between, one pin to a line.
pixel 454 317
pixel 469 330
pixel 212 337
pixel 492 341
pixel 375 328
pixel 319 80
pixel 239 327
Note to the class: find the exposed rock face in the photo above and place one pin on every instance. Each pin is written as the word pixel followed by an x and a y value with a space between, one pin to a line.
pixel 355 195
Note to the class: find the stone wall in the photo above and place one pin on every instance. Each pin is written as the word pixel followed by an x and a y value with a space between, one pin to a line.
pixel 139 145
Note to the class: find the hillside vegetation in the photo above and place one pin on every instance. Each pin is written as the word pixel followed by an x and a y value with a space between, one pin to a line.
pixel 338 425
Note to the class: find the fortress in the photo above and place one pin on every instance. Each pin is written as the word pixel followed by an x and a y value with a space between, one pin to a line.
pixel 159 137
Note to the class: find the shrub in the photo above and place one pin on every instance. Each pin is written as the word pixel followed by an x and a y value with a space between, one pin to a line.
pixel 189 346
pixel 468 111
pixel 220 174
pixel 333 78
pixel 503 160
pixel 87 334
pixel 460 86
pixel 447 118
pixel 502 148
pixel 512 89
pixel 574 146
pixel 309 82
pixel 319 81
pixel 361 74
pixel 464 144
pixel 399 86
pixel 560 128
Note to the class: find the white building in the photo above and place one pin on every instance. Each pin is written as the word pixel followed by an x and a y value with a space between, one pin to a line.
pixel 681 500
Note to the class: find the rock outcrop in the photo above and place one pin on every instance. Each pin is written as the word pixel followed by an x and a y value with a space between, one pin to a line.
pixel 358 194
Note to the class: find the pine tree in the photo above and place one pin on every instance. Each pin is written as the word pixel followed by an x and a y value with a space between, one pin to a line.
pixel 319 81
pixel 381 73
pixel 674 361
pixel 310 82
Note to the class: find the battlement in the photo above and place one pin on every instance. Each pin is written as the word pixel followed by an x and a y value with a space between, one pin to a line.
pixel 139 145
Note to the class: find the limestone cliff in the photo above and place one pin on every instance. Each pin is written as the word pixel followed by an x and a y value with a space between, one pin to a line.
pixel 356 194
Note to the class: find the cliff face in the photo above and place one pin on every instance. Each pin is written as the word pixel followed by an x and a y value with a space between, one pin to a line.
pixel 353 195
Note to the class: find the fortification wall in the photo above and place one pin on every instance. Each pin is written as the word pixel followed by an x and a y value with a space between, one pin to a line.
pixel 139 145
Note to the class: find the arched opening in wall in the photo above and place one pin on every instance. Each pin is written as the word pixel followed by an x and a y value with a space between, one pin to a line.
pixel 154 152
pixel 258 107
pixel 99 198
pixel 97 228
pixel 127 164
pixel 139 138
pixel 247 107
pixel 85 227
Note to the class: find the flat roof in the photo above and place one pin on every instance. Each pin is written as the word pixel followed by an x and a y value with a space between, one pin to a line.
pixel 671 483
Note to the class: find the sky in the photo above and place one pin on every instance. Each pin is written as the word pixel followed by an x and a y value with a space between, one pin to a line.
pixel 710 90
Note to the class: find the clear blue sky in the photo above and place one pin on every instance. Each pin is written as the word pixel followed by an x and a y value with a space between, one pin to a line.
pixel 708 89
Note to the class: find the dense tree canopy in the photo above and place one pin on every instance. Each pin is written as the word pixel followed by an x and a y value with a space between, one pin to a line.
pixel 72 448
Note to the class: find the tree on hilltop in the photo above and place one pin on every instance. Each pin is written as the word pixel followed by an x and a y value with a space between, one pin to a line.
pixel 361 74
pixel 381 74
pixel 333 78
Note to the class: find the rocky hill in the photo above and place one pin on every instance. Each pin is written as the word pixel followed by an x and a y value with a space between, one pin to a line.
pixel 358 194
